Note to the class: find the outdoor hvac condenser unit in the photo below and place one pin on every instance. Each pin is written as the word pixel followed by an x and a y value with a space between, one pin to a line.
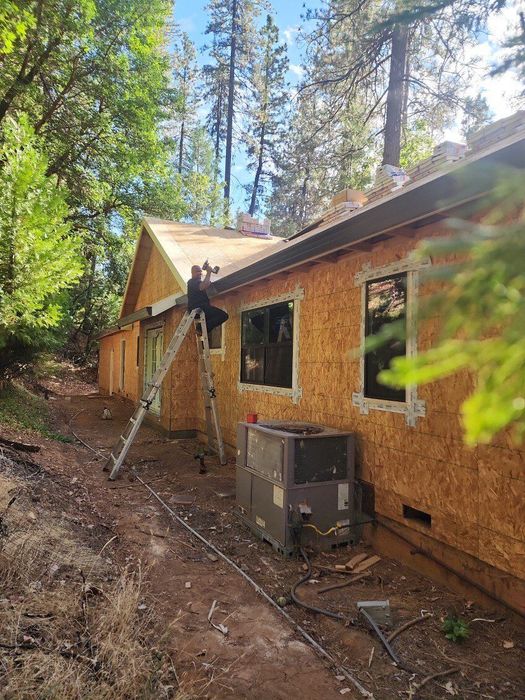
pixel 293 475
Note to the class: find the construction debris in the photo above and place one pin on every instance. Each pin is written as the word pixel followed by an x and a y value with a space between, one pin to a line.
pixel 378 610
pixel 355 560
pixel 366 564
pixel 222 628
pixel 106 414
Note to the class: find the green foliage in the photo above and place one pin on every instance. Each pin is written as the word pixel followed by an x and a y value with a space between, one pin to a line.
pixel 39 257
pixel 482 309
pixel 22 410
pixel 198 185
pixel 15 20
pixel 455 629
pixel 93 78
pixel 418 144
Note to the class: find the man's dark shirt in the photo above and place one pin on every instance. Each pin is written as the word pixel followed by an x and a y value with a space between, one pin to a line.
pixel 197 298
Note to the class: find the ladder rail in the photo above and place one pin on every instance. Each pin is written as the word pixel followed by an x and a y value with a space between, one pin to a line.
pixel 212 395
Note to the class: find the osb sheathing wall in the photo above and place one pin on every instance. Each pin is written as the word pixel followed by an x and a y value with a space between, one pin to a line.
pixel 476 497
pixel 158 281
pixel 131 377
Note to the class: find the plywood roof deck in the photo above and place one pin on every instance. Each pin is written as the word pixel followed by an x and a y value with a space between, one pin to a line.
pixel 183 245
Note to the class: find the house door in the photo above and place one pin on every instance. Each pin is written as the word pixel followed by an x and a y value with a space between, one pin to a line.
pixel 154 348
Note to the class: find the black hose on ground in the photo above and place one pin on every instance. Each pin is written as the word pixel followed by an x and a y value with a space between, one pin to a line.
pixel 312 608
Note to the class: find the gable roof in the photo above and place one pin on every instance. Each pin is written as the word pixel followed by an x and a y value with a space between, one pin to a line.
pixel 183 245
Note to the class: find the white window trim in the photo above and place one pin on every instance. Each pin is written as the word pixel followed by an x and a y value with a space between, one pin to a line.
pixel 413 408
pixel 295 392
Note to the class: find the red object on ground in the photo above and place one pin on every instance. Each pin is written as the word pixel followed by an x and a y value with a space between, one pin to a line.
pixel 251 418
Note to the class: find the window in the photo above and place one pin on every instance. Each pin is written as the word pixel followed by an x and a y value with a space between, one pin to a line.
pixel 386 301
pixel 267 345
pixel 388 295
pixel 215 338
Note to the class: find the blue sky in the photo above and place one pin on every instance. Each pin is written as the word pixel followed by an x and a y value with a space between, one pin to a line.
pixel 500 92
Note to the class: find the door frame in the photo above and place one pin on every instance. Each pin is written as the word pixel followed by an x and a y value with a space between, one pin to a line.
pixel 160 331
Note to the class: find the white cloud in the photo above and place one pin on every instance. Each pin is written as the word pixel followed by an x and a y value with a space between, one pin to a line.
pixel 296 70
pixel 289 34
pixel 502 91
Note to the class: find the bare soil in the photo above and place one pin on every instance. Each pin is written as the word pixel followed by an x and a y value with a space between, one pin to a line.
pixel 261 656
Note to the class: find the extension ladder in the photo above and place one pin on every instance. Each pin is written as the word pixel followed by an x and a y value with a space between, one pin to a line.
pixel 121 449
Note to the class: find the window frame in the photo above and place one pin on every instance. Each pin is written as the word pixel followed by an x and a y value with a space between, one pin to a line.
pixel 294 392
pixel 266 344
pixel 412 407
pixel 367 358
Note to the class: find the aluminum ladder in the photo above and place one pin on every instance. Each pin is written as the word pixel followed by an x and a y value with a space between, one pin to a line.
pixel 121 449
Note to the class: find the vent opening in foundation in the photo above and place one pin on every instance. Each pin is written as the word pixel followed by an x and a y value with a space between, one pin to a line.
pixel 414 514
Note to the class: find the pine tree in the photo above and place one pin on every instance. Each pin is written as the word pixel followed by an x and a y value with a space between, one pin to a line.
pixel 267 99
pixel 403 70
pixel 231 26
pixel 185 77
pixel 39 258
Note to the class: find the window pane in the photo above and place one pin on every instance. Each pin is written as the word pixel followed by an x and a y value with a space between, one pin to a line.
pixel 252 365
pixel 215 338
pixel 253 326
pixel 280 323
pixel 385 304
pixel 278 370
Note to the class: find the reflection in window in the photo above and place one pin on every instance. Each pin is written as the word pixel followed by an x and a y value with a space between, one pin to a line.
pixel 385 304
pixel 215 338
pixel 267 345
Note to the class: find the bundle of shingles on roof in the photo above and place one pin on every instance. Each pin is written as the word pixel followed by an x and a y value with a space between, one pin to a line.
pixel 249 226
pixel 497 132
pixel 342 203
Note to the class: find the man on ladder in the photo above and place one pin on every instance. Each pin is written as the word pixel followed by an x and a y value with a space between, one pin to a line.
pixel 198 305
pixel 198 297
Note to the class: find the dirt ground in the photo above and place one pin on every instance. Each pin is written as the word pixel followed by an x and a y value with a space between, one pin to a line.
pixel 261 656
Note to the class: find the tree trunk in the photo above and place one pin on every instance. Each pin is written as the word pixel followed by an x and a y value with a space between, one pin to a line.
pixel 181 146
pixel 394 101
pixel 23 79
pixel 258 171
pixel 229 116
